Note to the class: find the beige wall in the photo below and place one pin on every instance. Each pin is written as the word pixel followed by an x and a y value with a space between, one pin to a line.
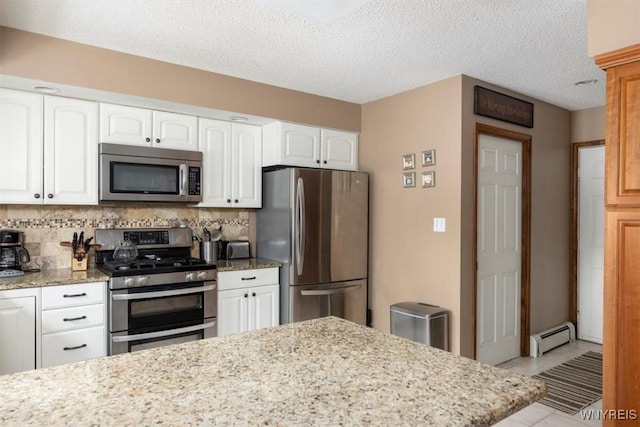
pixel 612 25
pixel 411 262
pixel 408 261
pixel 550 202
pixel 587 125
pixel 39 57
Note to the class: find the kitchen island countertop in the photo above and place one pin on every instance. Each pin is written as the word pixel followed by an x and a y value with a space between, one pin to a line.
pixel 320 372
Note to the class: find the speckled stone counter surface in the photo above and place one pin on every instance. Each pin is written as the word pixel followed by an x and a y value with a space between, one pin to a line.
pixel 62 276
pixel 324 372
pixel 244 264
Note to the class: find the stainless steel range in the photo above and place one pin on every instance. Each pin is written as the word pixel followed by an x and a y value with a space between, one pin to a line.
pixel 163 296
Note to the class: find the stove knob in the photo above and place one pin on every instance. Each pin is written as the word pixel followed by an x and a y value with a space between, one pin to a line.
pixel 143 280
pixel 202 275
pixel 190 277
pixel 128 282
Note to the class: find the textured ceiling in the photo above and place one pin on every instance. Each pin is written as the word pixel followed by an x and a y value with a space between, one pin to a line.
pixel 534 47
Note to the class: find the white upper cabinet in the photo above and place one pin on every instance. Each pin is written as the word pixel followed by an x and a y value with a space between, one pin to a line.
pixel 232 173
pixel 125 125
pixel 70 151
pixel 21 156
pixel 176 131
pixel 246 172
pixel 120 124
pixel 307 146
pixel 48 149
pixel 339 150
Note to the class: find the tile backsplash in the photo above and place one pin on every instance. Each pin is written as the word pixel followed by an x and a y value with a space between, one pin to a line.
pixel 45 227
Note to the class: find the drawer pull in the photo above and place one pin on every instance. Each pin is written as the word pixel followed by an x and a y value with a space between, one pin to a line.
pixel 75 348
pixel 84 294
pixel 71 319
pixel 249 278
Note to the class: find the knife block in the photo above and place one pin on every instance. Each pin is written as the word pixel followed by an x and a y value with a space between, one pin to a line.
pixel 82 264
pixel 78 265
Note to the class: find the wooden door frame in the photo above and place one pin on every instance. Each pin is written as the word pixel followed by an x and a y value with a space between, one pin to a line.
pixel 573 286
pixel 525 242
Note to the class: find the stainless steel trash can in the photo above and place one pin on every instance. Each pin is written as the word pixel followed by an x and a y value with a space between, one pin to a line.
pixel 420 322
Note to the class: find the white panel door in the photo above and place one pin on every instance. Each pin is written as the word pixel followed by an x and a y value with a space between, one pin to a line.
pixel 21 133
pixel 232 311
pixel 70 151
pixel 215 143
pixel 175 131
pixel 120 124
pixel 590 243
pixel 339 150
pixel 17 334
pixel 246 162
pixel 499 249
pixel 264 307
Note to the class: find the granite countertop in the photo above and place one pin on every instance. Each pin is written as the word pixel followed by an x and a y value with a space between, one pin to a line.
pixel 64 276
pixel 320 372
pixel 61 276
pixel 244 264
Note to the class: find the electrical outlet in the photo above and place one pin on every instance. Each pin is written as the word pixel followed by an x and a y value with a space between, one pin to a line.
pixel 439 225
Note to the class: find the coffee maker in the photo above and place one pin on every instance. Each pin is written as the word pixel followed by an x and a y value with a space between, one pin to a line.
pixel 12 254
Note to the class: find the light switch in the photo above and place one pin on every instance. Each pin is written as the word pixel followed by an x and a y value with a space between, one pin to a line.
pixel 439 225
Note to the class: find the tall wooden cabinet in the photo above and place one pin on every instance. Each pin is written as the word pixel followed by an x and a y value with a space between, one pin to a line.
pixel 621 376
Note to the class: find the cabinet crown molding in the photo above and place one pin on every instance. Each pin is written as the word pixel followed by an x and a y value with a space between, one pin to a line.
pixel 618 57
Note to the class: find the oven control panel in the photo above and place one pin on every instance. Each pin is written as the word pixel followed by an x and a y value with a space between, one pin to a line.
pixel 152 237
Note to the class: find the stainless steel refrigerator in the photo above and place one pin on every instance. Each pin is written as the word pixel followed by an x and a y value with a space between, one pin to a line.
pixel 315 222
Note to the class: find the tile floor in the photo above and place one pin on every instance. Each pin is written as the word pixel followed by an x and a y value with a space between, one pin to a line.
pixel 537 414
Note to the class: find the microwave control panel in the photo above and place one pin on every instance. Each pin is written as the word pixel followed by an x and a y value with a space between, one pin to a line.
pixel 194 181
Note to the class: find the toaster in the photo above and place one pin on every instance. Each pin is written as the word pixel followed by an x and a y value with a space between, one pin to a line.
pixel 234 249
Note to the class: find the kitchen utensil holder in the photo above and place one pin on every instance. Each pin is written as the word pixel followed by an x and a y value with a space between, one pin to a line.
pixel 80 265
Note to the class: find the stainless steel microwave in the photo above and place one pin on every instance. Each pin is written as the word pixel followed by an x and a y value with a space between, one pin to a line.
pixel 146 174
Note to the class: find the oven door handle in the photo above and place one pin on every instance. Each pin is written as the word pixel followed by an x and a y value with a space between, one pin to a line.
pixel 160 294
pixel 161 334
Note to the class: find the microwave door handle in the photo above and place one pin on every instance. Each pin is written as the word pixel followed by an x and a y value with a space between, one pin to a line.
pixel 161 334
pixel 159 294
pixel 183 179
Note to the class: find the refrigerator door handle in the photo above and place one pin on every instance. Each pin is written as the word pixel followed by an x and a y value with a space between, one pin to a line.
pixel 300 227
pixel 333 291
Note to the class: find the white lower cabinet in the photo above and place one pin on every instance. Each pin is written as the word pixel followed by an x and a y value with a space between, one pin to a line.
pixel 248 300
pixel 73 323
pixel 18 330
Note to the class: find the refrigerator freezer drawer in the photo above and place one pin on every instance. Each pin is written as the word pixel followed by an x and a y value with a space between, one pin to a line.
pixel 347 300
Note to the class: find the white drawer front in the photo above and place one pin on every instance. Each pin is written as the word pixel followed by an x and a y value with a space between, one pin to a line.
pixel 247 278
pixel 72 295
pixel 73 346
pixel 67 319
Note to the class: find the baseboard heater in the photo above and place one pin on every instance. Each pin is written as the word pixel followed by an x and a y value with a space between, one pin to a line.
pixel 549 339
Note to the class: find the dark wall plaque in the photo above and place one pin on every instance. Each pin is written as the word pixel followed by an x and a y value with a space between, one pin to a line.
pixel 502 107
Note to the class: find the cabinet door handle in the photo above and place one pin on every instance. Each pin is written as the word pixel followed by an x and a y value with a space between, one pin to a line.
pixel 71 319
pixel 325 162
pixel 50 196
pixel 74 348
pixel 84 294
pixel 246 295
pixel 148 139
pixel 253 294
pixel 249 278
pixel 158 140
pixel 236 200
pixel 317 161
pixel 37 196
